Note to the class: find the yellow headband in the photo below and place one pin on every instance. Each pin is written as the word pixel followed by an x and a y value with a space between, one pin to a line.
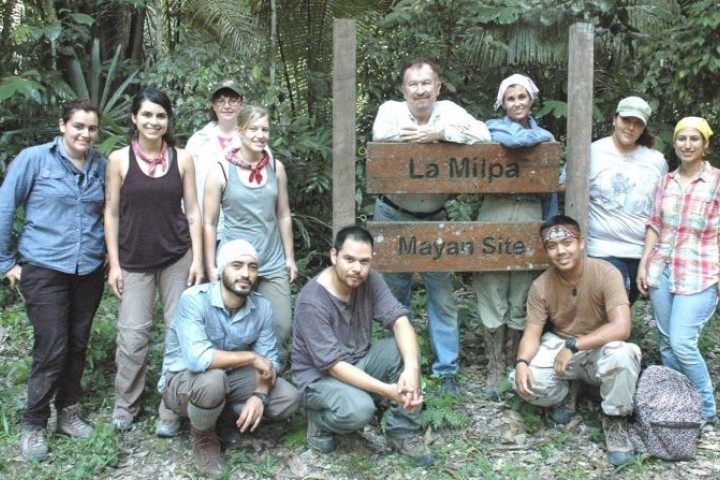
pixel 698 123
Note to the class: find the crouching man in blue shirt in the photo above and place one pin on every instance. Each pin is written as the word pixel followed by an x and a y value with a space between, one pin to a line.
pixel 221 361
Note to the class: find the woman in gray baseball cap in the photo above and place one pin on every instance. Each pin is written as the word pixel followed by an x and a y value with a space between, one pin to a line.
pixel 211 144
pixel 624 169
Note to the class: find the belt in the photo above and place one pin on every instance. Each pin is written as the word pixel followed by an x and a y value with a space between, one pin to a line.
pixel 392 204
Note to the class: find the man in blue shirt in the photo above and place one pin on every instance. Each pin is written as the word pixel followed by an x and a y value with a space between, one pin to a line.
pixel 221 360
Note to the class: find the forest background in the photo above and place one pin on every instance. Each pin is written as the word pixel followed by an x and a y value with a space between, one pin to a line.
pixel 280 51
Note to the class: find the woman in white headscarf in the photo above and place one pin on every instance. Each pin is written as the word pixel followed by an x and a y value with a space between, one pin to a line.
pixel 501 296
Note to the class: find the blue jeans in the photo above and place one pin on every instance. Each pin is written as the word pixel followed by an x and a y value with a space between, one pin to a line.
pixel 442 310
pixel 680 319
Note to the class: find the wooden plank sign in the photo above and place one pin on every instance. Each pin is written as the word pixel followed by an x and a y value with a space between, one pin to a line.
pixel 453 168
pixel 457 246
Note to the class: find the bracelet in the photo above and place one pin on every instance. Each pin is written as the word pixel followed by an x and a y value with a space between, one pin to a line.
pixel 521 360
pixel 571 344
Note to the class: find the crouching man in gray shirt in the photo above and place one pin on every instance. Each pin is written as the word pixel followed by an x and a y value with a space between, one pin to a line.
pixel 221 361
pixel 337 369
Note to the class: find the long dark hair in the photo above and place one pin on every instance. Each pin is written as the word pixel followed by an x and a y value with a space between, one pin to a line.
pixel 646 139
pixel 153 95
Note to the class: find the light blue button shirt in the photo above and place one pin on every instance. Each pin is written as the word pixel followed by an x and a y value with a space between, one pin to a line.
pixel 203 325
pixel 63 227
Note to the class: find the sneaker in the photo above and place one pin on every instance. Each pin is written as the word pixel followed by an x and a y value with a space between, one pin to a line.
pixel 207 455
pixel 449 384
pixel 415 448
pixel 70 423
pixel 619 448
pixel 167 428
pixel 33 443
pixel 320 440
pixel 567 408
pixel 123 424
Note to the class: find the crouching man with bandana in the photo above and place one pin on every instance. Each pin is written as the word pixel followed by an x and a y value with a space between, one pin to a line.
pixel 221 360
pixel 586 306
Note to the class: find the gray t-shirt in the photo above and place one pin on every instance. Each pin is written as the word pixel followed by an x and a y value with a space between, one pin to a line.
pixel 621 195
pixel 328 330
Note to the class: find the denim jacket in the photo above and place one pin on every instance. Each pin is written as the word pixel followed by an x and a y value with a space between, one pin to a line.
pixel 63 227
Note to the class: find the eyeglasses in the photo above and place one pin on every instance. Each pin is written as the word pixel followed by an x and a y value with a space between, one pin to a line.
pixel 233 102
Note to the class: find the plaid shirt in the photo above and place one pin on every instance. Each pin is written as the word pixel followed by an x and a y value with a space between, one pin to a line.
pixel 686 222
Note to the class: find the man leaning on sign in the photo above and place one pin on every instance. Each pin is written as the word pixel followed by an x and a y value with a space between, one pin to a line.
pixel 421 118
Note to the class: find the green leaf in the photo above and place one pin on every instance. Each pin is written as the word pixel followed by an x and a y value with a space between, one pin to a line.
pixel 52 32
pixel 13 85
pixel 82 18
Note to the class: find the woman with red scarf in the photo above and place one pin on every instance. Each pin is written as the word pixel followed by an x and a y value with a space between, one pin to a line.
pixel 154 242
pixel 252 193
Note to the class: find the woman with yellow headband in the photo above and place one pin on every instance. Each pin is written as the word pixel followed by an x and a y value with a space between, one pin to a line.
pixel 680 265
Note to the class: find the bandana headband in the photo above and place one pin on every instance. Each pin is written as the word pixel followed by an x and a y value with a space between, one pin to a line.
pixel 558 232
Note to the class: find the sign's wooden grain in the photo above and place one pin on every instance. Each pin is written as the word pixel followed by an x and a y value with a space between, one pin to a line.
pixel 452 168
pixel 457 246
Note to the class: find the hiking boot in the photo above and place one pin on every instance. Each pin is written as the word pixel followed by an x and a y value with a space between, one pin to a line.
pixel 70 423
pixel 707 426
pixel 619 448
pixel 33 443
pixel 494 344
pixel 230 436
pixel 512 342
pixel 167 428
pixel 450 385
pixel 320 440
pixel 207 455
pixel 123 424
pixel 567 408
pixel 415 448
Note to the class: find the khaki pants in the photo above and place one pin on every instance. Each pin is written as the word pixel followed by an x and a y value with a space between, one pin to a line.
pixel 614 368
pixel 502 296
pixel 135 312
pixel 210 388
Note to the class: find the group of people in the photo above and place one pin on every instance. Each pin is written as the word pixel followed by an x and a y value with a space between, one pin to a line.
pixel 650 232
pixel 209 228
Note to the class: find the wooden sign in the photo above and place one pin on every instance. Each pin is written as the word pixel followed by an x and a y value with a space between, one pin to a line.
pixel 452 168
pixel 457 246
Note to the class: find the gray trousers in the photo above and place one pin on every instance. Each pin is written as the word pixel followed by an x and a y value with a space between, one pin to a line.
pixel 211 388
pixel 340 408
pixel 614 368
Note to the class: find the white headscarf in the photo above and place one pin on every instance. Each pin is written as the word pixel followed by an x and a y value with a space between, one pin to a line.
pixel 232 251
pixel 516 79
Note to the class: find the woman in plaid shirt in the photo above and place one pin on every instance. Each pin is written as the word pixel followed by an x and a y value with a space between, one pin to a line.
pixel 681 259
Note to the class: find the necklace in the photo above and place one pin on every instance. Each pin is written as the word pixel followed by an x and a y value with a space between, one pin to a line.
pixel 255 168
pixel 151 161
pixel 574 282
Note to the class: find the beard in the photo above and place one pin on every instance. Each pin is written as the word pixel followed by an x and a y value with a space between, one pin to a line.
pixel 237 291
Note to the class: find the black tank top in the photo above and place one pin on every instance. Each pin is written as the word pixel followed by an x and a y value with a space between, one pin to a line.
pixel 154 231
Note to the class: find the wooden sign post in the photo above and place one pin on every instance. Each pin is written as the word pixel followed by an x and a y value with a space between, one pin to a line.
pixel 451 168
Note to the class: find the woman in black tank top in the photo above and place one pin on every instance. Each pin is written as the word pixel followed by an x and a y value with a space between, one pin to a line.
pixel 153 236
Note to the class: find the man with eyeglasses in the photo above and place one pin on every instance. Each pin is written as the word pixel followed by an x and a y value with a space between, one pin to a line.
pixel 421 118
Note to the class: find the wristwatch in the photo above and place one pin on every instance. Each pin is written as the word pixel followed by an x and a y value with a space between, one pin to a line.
pixel 263 398
pixel 571 344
